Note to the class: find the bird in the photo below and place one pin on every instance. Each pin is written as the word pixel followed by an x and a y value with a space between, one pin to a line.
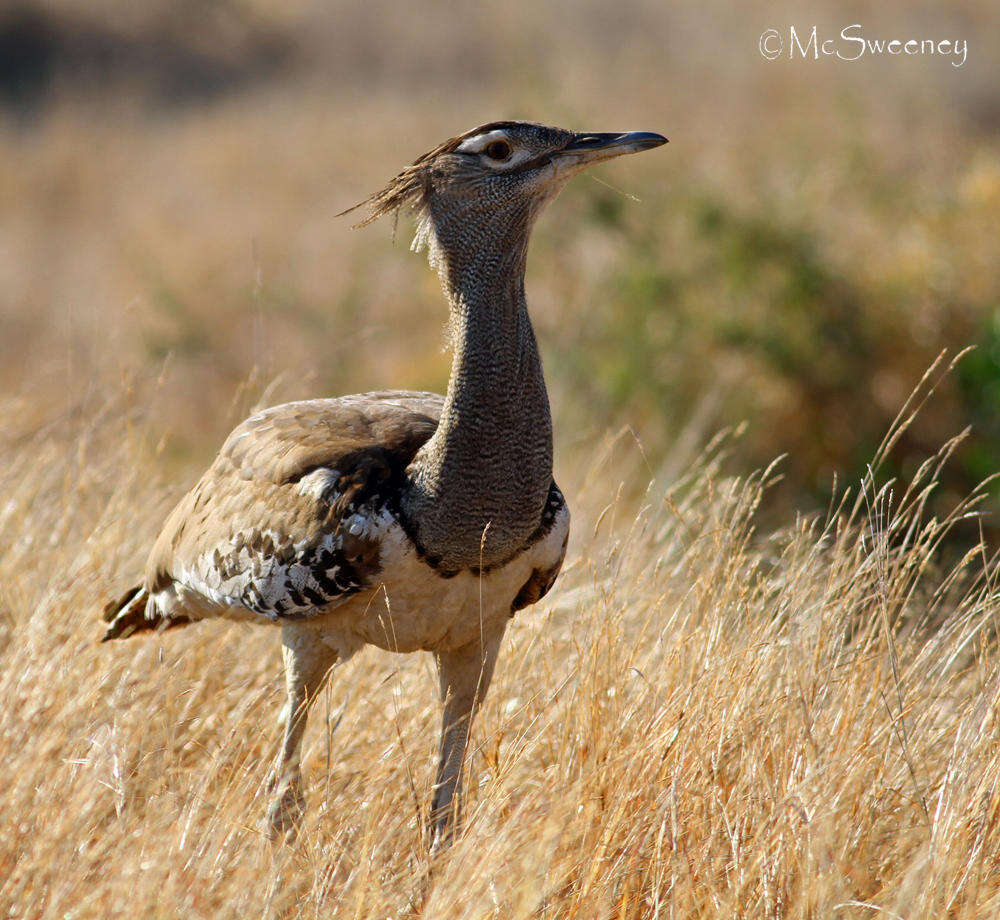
pixel 409 521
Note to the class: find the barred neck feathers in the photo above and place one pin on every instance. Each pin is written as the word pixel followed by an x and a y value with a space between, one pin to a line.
pixel 480 483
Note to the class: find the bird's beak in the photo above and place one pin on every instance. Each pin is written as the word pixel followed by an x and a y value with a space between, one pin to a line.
pixel 586 149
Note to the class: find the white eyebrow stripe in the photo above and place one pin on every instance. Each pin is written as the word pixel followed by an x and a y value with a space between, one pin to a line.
pixel 480 142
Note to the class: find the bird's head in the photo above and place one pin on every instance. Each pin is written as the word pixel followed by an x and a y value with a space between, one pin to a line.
pixel 495 179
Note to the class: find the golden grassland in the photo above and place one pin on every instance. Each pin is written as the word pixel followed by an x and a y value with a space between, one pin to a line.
pixel 701 721
pixel 744 697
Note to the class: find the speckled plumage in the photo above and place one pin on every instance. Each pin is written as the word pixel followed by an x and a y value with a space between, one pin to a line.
pixel 286 522
pixel 403 520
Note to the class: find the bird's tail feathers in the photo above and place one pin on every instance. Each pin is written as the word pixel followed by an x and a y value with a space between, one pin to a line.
pixel 133 613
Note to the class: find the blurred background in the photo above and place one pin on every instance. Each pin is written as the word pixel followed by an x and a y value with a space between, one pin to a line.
pixel 813 236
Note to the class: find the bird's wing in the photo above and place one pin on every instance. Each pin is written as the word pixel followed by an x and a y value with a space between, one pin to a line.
pixel 287 518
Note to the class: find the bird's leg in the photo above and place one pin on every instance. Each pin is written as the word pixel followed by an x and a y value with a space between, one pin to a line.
pixel 307 663
pixel 464 677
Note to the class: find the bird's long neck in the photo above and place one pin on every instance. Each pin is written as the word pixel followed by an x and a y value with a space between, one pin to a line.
pixel 480 483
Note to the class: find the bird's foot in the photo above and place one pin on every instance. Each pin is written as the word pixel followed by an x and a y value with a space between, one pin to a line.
pixel 285 814
pixel 440 835
pixel 439 843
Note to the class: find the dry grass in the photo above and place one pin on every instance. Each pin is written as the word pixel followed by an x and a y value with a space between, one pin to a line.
pixel 700 721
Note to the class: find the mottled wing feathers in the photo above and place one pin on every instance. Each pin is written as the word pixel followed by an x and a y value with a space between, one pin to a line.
pixel 288 517
pixel 286 442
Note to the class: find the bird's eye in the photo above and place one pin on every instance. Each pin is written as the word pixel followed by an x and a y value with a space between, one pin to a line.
pixel 498 150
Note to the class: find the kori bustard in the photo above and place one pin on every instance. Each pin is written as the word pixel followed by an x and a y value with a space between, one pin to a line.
pixel 398 519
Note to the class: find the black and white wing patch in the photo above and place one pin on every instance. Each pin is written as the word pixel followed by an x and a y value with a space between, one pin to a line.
pixel 271 574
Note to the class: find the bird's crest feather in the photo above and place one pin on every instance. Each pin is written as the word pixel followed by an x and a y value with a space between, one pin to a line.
pixel 409 186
